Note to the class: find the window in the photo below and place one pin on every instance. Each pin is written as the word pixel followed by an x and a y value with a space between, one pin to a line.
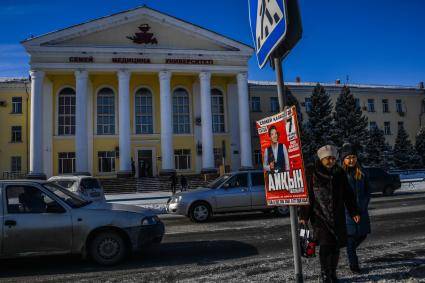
pixel 16 134
pixel 372 125
pixel 357 102
pixel 106 112
pixel 26 199
pixel 182 159
pixel 144 120
pixel 66 112
pixel 181 113
pixel 66 162
pixel 257 179
pixel 106 161
pixel 370 105
pixel 217 107
pixel 15 164
pixel 385 106
pixel 387 128
pixel 400 124
pixel 255 104
pixel 307 102
pixel 17 104
pixel 274 104
pixel 398 106
pixel 236 181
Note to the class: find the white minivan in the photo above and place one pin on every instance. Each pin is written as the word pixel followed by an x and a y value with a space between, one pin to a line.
pixel 86 187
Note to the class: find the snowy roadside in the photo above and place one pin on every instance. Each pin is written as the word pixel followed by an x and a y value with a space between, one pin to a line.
pixel 157 201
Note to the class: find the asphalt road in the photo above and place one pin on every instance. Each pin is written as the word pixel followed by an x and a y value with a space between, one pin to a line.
pixel 253 247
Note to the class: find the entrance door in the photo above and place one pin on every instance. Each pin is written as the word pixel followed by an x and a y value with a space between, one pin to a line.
pixel 144 162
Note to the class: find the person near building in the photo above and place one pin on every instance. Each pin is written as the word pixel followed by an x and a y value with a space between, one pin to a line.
pixel 359 184
pixel 173 179
pixel 183 183
pixel 329 195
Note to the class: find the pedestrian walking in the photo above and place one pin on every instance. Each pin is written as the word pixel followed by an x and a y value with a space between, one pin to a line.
pixel 329 195
pixel 359 184
pixel 173 179
pixel 183 183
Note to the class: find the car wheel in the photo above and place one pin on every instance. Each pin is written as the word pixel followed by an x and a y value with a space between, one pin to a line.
pixel 200 212
pixel 108 248
pixel 388 191
pixel 281 210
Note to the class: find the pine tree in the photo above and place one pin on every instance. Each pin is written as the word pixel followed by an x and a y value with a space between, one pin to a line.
pixel 420 145
pixel 319 126
pixel 377 152
pixel 405 156
pixel 350 124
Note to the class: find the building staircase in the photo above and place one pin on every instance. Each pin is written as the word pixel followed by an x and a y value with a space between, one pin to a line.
pixel 152 184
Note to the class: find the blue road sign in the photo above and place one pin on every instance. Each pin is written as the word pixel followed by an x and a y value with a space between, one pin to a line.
pixel 268 26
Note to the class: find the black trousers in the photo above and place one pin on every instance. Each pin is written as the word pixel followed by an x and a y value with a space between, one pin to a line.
pixel 329 257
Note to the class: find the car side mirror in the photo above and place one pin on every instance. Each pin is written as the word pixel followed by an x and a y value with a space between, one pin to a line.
pixel 54 207
pixel 226 186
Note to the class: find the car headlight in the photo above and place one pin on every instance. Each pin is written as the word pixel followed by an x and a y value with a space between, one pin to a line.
pixel 175 199
pixel 150 220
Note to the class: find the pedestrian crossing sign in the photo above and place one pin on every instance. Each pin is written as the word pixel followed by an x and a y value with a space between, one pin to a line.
pixel 268 21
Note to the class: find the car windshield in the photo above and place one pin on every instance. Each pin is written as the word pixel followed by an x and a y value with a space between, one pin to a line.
pixel 72 200
pixel 217 182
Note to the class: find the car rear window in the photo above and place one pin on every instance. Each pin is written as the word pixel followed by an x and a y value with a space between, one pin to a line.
pixel 90 184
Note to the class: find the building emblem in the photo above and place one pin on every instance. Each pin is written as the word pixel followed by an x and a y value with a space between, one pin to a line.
pixel 143 37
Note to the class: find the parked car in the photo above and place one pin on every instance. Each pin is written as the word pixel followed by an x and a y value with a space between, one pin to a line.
pixel 234 192
pixel 381 181
pixel 42 218
pixel 86 187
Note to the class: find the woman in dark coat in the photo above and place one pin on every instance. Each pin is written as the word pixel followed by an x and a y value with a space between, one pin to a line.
pixel 329 194
pixel 359 184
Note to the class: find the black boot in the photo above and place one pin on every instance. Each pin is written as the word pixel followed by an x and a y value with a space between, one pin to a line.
pixel 325 277
pixel 355 268
pixel 333 277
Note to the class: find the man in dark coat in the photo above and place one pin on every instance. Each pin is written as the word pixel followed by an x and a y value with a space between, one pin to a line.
pixel 276 155
pixel 329 194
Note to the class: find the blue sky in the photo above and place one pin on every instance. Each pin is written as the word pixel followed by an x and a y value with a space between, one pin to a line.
pixel 366 41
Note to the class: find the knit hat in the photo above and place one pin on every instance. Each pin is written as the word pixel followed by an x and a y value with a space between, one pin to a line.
pixel 326 151
pixel 348 149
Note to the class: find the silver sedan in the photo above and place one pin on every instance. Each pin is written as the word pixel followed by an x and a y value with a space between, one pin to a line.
pixel 235 192
pixel 41 218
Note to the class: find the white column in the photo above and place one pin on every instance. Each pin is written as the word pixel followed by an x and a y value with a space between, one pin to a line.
pixel 36 125
pixel 47 128
pixel 167 153
pixel 124 122
pixel 244 121
pixel 206 120
pixel 81 137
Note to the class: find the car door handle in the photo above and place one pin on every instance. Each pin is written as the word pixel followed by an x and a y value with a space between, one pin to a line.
pixel 10 223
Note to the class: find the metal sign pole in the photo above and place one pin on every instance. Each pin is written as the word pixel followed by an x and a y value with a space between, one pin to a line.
pixel 292 209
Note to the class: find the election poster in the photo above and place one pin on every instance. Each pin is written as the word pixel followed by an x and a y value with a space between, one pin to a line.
pixel 284 174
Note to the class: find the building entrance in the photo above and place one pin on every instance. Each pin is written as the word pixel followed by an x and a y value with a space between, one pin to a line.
pixel 144 163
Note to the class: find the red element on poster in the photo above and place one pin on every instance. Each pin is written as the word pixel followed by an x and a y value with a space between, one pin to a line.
pixel 284 174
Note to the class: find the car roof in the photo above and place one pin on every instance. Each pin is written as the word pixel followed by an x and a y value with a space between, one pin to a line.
pixel 24 181
pixel 69 177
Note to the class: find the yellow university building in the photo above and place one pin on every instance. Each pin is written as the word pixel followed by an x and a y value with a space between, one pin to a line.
pixel 144 92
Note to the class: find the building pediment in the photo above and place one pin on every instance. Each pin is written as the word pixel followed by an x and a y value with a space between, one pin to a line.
pixel 141 29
